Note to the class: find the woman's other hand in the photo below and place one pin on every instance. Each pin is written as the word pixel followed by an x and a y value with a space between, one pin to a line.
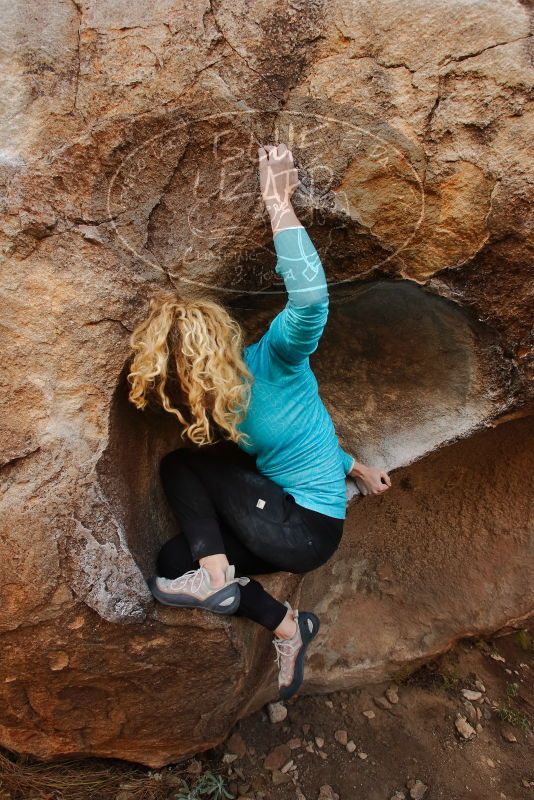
pixel 278 175
pixel 370 480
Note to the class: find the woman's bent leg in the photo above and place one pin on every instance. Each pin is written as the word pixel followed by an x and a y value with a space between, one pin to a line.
pixel 192 506
pixel 215 502
pixel 257 510
pixel 256 604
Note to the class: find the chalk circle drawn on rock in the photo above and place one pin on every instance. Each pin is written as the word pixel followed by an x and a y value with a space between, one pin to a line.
pixel 135 168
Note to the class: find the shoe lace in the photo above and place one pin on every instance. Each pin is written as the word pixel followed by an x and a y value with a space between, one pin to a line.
pixel 194 577
pixel 284 648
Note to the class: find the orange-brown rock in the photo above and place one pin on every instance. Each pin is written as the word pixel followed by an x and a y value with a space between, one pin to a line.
pixel 128 162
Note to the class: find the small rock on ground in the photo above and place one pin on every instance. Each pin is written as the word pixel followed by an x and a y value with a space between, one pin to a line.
pixel 463 727
pixel 277 712
pixel 469 694
pixel 327 793
pixel 392 694
pixel 382 702
pixel 341 737
pixel 277 757
pixel 507 733
pixel 417 789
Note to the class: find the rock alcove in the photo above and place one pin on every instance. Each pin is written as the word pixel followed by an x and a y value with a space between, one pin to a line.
pixel 402 371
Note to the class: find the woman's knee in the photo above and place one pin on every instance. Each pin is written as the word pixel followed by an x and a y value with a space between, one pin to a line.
pixel 311 561
pixel 302 569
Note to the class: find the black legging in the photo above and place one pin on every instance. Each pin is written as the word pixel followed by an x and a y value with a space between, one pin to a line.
pixel 227 507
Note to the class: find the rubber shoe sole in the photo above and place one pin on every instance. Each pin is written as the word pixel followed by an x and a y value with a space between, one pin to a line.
pixel 224 601
pixel 309 627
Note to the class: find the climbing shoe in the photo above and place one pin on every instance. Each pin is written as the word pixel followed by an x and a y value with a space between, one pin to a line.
pixel 290 653
pixel 193 589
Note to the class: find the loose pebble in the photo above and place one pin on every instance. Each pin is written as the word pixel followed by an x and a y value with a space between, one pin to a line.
pixel 417 788
pixel 276 757
pixel 362 755
pixel 480 685
pixel 329 703
pixel 470 711
pixel 351 746
pixel 277 712
pixel 369 714
pixel 236 744
pixel 288 766
pixel 327 793
pixel 469 694
pixel 392 694
pixel 382 702
pixel 496 657
pixel 319 741
pixel 508 734
pixel 323 755
pixel 294 743
pixel 341 737
pixel 279 777
pixel 463 727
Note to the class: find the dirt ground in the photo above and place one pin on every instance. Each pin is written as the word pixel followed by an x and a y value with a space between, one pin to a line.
pixel 327 748
pixel 413 740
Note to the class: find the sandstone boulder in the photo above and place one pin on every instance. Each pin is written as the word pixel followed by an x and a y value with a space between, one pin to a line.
pixel 128 163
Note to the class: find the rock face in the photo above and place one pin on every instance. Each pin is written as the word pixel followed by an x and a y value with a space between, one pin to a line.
pixel 129 162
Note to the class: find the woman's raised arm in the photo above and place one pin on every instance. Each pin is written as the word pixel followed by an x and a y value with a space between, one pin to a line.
pixel 295 332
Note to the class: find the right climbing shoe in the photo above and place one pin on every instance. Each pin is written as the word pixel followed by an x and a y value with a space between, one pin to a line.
pixel 193 589
pixel 290 653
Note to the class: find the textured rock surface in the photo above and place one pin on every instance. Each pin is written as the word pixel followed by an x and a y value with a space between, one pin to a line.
pixel 129 162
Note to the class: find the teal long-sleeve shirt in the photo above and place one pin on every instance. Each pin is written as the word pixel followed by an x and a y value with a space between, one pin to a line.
pixel 290 431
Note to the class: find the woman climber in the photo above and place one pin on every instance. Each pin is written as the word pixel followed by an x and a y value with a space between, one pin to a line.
pixel 286 509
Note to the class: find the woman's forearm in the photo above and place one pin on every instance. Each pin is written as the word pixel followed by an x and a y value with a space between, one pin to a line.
pixel 357 471
pixel 282 215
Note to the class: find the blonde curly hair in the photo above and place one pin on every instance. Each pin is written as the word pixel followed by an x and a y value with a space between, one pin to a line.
pixel 192 347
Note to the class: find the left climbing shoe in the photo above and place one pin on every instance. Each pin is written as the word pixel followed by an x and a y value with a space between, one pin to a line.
pixel 193 589
pixel 290 653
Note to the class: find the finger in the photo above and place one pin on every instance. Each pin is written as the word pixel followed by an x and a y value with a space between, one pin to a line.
pixel 386 477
